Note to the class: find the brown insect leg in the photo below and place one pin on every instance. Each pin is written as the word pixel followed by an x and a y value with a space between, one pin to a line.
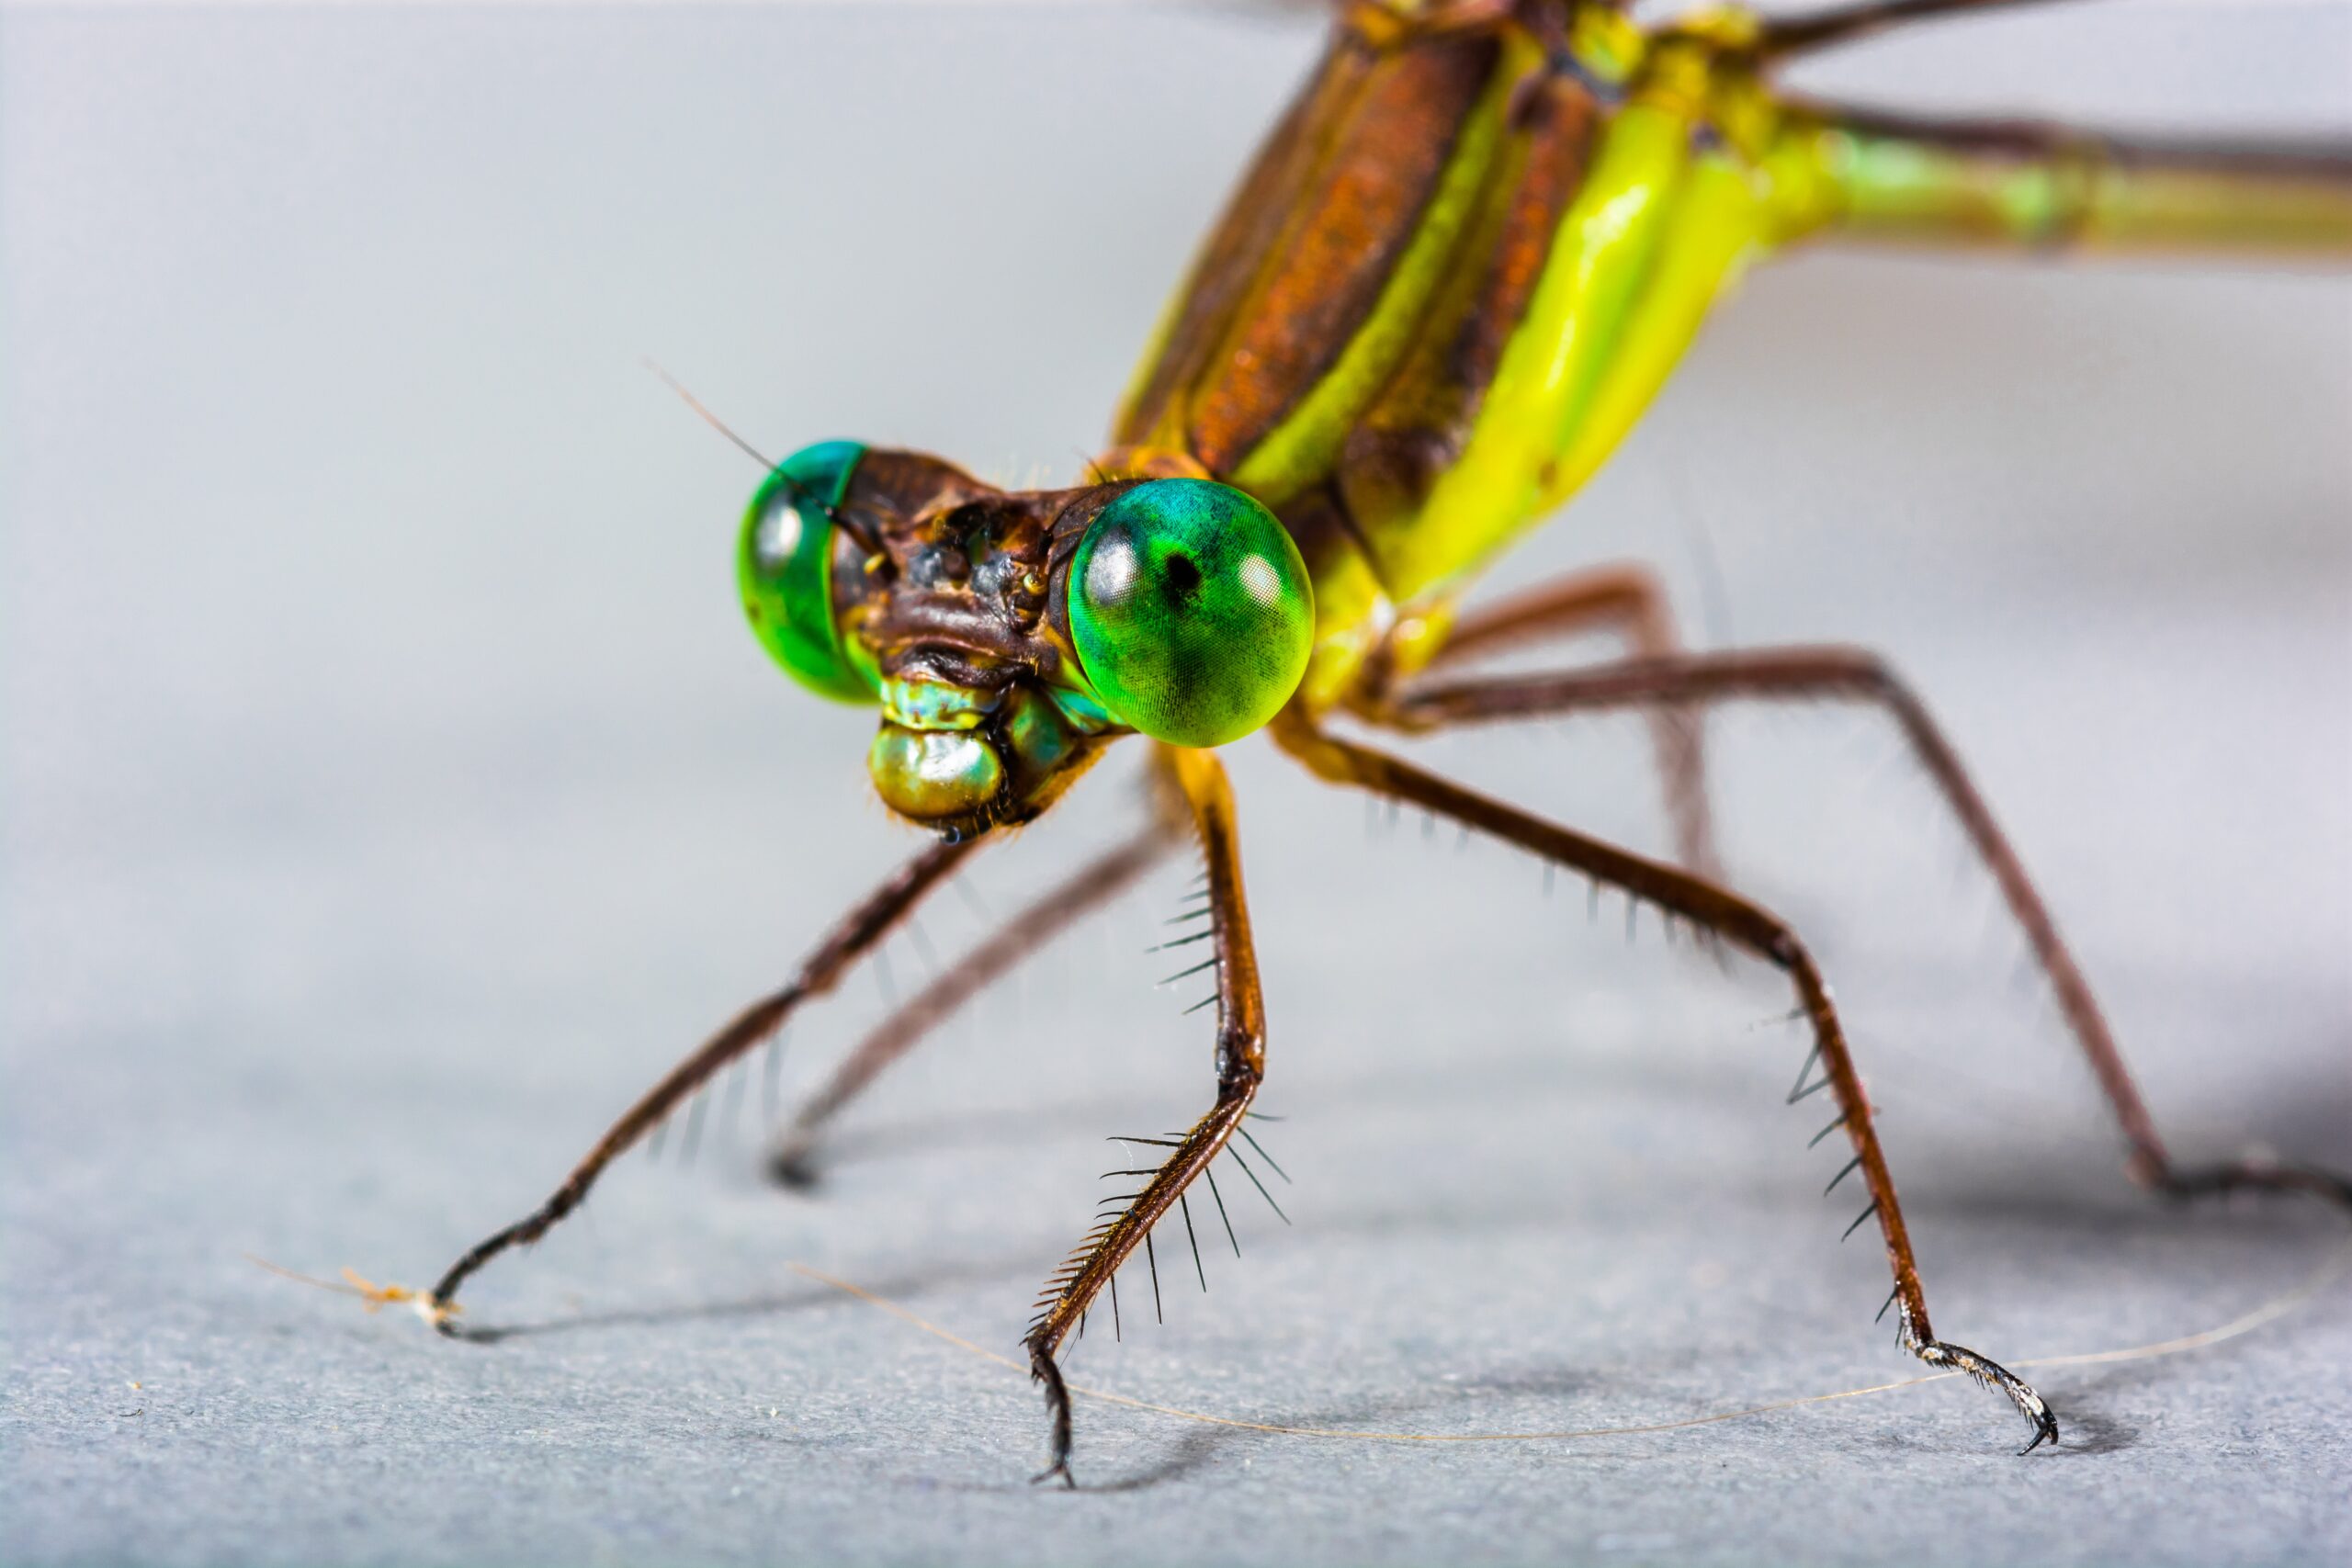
pixel 1240 1066
pixel 791 1160
pixel 1856 674
pixel 858 930
pixel 1717 909
pixel 1629 600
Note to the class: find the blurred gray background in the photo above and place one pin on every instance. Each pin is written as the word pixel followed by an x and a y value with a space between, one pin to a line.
pixel 391 792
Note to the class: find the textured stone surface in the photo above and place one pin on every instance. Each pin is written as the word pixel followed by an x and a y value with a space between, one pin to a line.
pixel 391 792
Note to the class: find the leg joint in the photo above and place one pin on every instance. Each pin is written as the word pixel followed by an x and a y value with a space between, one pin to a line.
pixel 1240 1066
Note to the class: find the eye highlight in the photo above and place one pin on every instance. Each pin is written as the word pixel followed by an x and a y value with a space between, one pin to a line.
pixel 1191 611
pixel 784 563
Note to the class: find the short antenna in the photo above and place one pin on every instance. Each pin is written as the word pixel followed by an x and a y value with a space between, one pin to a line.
pixel 708 418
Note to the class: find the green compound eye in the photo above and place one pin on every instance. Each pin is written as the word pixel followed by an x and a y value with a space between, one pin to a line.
pixel 1191 611
pixel 784 563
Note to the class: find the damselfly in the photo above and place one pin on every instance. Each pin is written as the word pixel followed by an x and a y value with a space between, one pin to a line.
pixel 1462 266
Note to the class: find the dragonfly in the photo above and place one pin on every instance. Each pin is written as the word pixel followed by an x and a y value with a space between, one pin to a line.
pixel 1463 264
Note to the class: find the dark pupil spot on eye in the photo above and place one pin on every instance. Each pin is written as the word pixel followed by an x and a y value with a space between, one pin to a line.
pixel 1180 578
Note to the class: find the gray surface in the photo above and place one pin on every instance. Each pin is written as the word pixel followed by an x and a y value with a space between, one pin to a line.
pixel 391 792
